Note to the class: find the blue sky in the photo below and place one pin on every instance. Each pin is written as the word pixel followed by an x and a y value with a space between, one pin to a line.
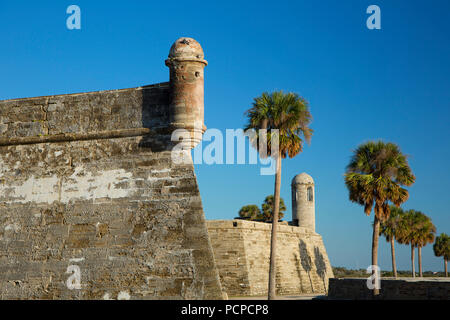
pixel 390 84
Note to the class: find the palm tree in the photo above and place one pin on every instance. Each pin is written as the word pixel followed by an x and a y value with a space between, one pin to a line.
pixel 389 229
pixel 289 114
pixel 441 248
pixel 408 234
pixel 267 208
pixel 425 235
pixel 250 212
pixel 375 175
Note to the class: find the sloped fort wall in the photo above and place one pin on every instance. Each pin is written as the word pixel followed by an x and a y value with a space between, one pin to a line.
pixel 242 250
pixel 87 181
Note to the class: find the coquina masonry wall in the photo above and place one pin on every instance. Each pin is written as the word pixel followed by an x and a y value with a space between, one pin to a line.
pixel 391 289
pixel 242 248
pixel 87 180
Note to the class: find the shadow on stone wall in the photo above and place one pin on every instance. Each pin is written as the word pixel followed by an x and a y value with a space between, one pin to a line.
pixel 299 270
pixel 155 116
pixel 321 266
pixel 306 261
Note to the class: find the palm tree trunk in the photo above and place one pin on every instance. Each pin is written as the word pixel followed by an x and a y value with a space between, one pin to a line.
pixel 394 266
pixel 445 265
pixel 375 236
pixel 413 270
pixel 273 242
pixel 420 261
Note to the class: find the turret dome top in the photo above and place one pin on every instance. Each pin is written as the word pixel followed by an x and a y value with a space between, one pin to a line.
pixel 303 178
pixel 187 49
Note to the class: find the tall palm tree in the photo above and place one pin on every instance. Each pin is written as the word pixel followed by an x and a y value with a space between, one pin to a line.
pixel 375 175
pixel 441 248
pixel 425 234
pixel 408 234
pixel 389 229
pixel 289 114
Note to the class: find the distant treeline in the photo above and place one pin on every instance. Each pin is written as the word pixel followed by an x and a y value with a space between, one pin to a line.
pixel 342 272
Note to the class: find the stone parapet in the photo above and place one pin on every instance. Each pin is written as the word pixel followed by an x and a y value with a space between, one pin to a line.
pixel 241 250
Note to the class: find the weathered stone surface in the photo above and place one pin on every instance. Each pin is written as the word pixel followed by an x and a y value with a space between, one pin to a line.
pixel 391 289
pixel 87 180
pixel 241 249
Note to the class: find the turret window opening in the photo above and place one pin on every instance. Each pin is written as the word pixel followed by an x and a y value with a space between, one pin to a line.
pixel 309 194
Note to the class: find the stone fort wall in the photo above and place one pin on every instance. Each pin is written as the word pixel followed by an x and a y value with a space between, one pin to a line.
pixel 242 248
pixel 87 180
pixel 391 289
